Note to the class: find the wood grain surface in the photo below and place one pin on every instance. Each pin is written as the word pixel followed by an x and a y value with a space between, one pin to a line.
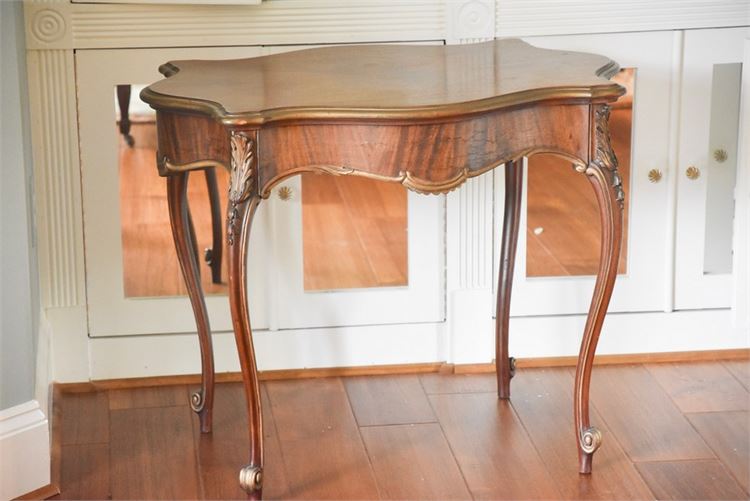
pixel 316 449
pixel 414 461
pixel 543 398
pixel 649 424
pixel 690 480
pixel 381 81
pixel 361 220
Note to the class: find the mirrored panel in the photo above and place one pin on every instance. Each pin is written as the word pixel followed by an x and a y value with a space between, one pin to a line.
pixel 150 265
pixel 354 233
pixel 721 171
pixel 563 229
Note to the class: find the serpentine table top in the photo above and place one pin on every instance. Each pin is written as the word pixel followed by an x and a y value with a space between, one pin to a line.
pixel 382 82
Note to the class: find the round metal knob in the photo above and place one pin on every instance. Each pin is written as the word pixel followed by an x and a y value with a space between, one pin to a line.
pixel 720 155
pixel 693 172
pixel 285 193
pixel 654 175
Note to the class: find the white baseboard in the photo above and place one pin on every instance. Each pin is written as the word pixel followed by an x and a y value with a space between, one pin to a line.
pixel 530 337
pixel 173 354
pixel 24 450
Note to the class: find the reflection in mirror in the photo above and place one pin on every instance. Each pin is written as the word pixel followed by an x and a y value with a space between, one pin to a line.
pixel 562 229
pixel 354 232
pixel 150 265
pixel 721 173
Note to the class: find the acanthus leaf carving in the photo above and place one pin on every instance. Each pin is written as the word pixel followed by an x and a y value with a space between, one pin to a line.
pixel 241 177
pixel 604 154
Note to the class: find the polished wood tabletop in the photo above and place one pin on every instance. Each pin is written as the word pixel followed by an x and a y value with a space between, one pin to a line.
pixel 427 117
pixel 382 82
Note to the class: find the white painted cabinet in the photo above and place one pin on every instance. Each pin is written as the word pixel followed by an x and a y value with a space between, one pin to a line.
pixel 78 51
pixel 707 167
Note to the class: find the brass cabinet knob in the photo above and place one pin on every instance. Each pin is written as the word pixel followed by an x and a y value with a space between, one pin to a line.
pixel 654 175
pixel 693 172
pixel 720 155
pixel 285 193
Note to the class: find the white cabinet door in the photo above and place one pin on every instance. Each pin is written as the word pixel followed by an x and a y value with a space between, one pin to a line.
pixel 707 167
pixel 112 309
pixel 564 286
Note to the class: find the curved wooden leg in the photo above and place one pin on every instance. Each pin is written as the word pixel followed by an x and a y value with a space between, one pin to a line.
pixel 214 254
pixel 193 238
pixel 602 173
pixel 179 216
pixel 506 365
pixel 243 202
pixel 123 102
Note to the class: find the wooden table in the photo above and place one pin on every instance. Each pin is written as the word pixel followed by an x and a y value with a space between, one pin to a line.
pixel 428 117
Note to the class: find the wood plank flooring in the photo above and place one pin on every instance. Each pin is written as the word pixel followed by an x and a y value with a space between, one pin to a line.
pixel 671 431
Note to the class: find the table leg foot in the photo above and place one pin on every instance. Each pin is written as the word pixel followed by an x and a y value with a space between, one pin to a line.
pixel 506 365
pixel 605 180
pixel 251 481
pixel 589 442
pixel 202 401
pixel 242 203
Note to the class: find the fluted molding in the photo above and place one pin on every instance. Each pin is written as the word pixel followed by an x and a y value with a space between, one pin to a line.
pixel 88 25
pixel 57 176
pixel 475 233
pixel 562 17
pixel 471 232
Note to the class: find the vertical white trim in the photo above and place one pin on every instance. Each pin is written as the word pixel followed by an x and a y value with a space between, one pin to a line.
pixel 52 100
pixel 24 450
pixel 672 170
pixel 43 364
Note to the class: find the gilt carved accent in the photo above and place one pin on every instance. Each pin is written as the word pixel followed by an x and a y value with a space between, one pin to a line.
pixel 241 177
pixel 590 439
pixel 251 478
pixel 197 402
pixel 603 155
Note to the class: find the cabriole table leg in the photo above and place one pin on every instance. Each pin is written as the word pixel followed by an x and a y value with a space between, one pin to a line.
pixel 605 180
pixel 214 255
pixel 505 365
pixel 203 400
pixel 243 201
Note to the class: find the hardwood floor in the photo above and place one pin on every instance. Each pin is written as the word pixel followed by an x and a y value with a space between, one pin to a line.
pixel 671 431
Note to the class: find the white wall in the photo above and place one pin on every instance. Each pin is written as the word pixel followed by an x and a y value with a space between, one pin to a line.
pixel 18 345
pixel 24 431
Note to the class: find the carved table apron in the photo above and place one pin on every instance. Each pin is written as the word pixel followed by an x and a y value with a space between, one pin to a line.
pixel 428 117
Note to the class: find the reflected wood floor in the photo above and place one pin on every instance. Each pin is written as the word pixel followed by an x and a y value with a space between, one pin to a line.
pixel 671 431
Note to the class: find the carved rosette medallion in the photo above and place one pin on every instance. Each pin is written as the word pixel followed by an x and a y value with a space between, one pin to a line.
pixel 241 178
pixel 47 26
pixel 604 155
